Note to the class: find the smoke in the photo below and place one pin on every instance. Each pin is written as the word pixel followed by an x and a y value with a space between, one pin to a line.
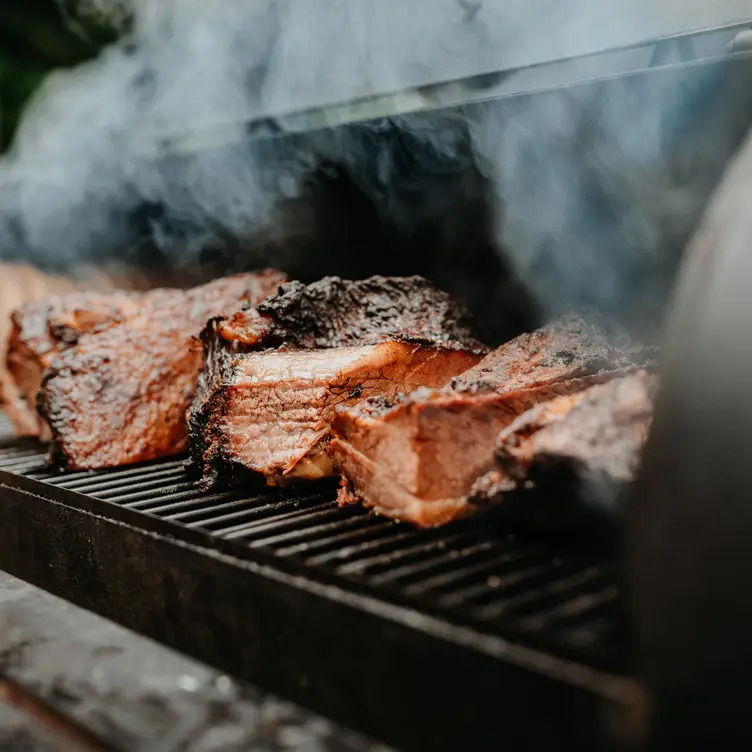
pixel 89 154
pixel 602 185
pixel 151 156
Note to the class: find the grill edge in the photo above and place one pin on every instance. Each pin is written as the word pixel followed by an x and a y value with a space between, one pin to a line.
pixel 335 608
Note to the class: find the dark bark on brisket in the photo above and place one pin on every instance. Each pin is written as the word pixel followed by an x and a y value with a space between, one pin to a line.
pixel 208 409
pixel 584 447
pixel 569 348
pixel 335 312
pixel 42 329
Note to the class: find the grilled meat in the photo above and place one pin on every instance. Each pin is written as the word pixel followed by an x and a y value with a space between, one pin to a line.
pixel 272 412
pixel 336 312
pixel 275 375
pixel 19 285
pixel 416 458
pixel 120 394
pixel 42 329
pixel 589 442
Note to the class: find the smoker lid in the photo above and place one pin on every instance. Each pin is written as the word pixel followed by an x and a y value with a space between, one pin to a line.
pixel 370 60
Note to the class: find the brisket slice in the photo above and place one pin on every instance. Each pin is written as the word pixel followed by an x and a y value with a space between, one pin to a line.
pixel 586 446
pixel 271 415
pixel 274 375
pixel 42 329
pixel 120 395
pixel 416 458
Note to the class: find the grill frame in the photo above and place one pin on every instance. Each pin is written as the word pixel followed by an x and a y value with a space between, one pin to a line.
pixel 388 665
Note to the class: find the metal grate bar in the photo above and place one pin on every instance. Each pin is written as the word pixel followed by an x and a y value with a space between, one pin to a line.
pixel 254 509
pixel 490 564
pixel 359 522
pixel 43 473
pixel 420 549
pixel 435 559
pixel 464 571
pixel 12 453
pixel 96 486
pixel 147 491
pixel 595 633
pixel 22 466
pixel 574 610
pixel 117 472
pixel 336 542
pixel 514 582
pixel 210 510
pixel 492 579
pixel 288 521
pixel 352 554
pixel 175 502
pixel 538 599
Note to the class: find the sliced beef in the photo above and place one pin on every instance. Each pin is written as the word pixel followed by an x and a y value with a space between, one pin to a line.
pixel 586 446
pixel 272 415
pixel 275 375
pixel 416 458
pixel 42 329
pixel 120 394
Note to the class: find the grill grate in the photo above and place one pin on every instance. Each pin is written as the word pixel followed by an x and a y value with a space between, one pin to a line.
pixel 467 572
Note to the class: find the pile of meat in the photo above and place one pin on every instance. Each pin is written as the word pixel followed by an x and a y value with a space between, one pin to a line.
pixel 276 376
pixel 381 382
pixel 109 377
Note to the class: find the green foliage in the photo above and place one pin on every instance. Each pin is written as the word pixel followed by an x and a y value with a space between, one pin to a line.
pixel 37 36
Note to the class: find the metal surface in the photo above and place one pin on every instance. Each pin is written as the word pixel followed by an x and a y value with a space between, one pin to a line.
pixel 134 694
pixel 670 57
pixel 375 58
pixel 366 620
pixel 691 533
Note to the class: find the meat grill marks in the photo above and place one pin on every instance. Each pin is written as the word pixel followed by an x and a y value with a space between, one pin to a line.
pixel 120 395
pixel 588 443
pixel 275 375
pixel 42 329
pixel 416 458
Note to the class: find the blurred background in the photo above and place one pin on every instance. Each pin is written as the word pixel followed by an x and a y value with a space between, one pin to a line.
pixel 36 37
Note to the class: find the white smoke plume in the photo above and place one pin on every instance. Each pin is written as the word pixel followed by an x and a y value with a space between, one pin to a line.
pixel 582 196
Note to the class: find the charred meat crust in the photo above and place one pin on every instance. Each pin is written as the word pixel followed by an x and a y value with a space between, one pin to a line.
pixel 61 319
pixel 209 410
pixel 120 395
pixel 334 312
pixel 587 445
pixel 105 409
pixel 42 329
pixel 569 347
